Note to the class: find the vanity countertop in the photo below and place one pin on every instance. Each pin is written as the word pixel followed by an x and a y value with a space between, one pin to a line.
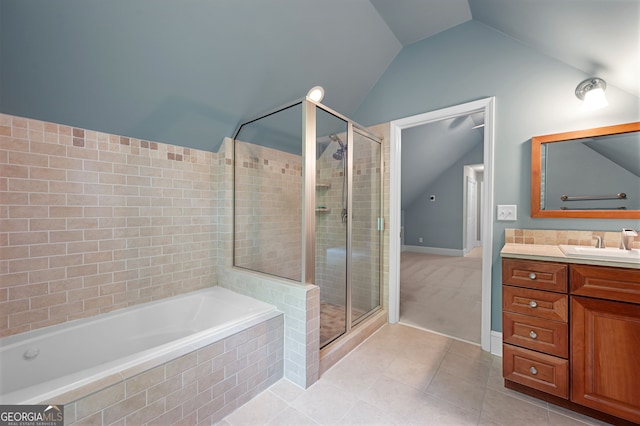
pixel 552 253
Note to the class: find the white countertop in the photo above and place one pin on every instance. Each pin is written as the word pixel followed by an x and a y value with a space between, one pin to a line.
pixel 552 253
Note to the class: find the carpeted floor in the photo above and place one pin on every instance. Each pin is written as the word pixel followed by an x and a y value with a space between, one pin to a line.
pixel 442 293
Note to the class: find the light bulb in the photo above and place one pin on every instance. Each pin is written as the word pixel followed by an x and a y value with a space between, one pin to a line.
pixel 316 93
pixel 594 99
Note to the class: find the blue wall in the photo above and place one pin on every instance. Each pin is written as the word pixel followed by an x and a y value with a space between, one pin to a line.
pixel 440 222
pixel 534 96
pixel 184 72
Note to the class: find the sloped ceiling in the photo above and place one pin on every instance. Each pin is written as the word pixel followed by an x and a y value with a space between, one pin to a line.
pixel 429 150
pixel 188 73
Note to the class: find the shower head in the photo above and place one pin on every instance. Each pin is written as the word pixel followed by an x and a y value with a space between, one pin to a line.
pixel 335 138
pixel 338 155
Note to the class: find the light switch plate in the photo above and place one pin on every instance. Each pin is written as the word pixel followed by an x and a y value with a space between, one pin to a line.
pixel 507 212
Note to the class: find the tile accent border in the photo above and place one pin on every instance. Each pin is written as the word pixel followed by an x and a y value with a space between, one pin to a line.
pixel 556 237
pixel 92 222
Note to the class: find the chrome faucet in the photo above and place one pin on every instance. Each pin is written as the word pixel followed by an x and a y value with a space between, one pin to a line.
pixel 626 238
pixel 599 242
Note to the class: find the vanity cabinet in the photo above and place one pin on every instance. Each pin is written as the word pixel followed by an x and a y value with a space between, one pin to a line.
pixel 535 308
pixel 571 335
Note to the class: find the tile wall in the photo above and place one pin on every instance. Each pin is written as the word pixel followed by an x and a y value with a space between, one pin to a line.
pixel 555 237
pixel 268 218
pixel 91 222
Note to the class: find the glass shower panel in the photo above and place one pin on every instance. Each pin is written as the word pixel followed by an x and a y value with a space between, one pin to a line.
pixel 365 233
pixel 268 194
pixel 331 224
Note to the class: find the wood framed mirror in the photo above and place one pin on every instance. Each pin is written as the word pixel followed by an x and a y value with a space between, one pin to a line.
pixel 592 173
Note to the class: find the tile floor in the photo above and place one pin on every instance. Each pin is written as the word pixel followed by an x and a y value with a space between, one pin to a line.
pixel 405 376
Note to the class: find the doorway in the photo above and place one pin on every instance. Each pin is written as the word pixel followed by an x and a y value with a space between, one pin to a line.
pixel 485 106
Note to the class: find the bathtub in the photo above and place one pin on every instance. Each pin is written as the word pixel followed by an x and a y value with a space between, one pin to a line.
pixel 64 362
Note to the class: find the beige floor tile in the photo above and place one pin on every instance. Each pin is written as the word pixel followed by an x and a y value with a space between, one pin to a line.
pixel 352 376
pixel 415 373
pixel 259 411
pixel 324 403
pixel 393 397
pixel 504 409
pixel 292 417
pixel 406 376
pixel 472 370
pixel 434 411
pixel 286 390
pixel 363 413
pixel 458 391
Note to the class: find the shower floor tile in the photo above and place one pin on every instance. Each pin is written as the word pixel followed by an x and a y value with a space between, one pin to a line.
pixel 332 321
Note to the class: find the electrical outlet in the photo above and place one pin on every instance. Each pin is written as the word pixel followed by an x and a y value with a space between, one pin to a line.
pixel 419 239
pixel 507 212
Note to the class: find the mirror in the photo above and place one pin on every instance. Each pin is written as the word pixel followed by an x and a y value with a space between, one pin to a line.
pixel 593 173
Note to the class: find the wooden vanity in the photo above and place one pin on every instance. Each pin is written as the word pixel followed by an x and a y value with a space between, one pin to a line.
pixel 571 332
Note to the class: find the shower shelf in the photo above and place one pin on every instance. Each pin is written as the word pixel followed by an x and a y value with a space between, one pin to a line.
pixel 323 186
pixel 323 210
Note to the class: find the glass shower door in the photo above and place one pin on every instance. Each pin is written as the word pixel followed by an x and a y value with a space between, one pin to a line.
pixel 366 227
pixel 331 224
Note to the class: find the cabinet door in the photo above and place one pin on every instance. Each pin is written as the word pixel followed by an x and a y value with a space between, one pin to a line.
pixel 605 356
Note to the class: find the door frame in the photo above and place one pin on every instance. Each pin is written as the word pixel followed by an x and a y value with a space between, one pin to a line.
pixel 470 210
pixel 486 105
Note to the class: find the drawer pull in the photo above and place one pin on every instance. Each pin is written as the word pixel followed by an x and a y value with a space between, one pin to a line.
pixel 533 334
pixel 532 276
pixel 533 304
pixel 533 371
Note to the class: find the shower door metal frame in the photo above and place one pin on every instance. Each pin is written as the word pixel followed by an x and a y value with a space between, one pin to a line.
pixel 380 224
pixel 308 273
pixel 309 132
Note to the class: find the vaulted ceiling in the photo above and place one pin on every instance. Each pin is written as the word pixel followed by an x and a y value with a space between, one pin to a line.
pixel 189 73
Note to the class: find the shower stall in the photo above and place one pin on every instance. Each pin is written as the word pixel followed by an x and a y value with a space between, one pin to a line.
pixel 308 208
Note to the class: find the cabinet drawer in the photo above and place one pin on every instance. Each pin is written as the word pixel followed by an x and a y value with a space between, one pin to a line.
pixel 535 274
pixel 618 284
pixel 542 335
pixel 541 304
pixel 539 371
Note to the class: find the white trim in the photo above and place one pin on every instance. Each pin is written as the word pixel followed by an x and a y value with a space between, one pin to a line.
pixel 488 106
pixel 496 343
pixel 434 250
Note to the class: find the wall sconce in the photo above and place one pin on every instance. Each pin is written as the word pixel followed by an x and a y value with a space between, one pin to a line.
pixel 316 93
pixel 591 92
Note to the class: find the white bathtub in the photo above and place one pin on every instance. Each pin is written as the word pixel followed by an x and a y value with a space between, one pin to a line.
pixel 63 361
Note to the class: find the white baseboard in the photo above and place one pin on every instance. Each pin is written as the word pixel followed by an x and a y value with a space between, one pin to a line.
pixel 434 250
pixel 496 343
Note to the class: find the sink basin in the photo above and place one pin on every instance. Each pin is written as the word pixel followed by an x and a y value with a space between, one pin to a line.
pixel 610 254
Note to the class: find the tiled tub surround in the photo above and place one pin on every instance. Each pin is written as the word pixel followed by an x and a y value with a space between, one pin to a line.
pixel 201 387
pixel 70 359
pixel 557 237
pixel 92 222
